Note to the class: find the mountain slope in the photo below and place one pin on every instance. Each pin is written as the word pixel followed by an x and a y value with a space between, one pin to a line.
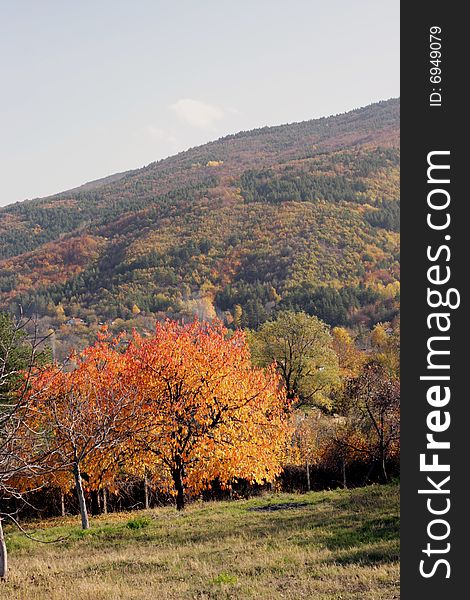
pixel 304 215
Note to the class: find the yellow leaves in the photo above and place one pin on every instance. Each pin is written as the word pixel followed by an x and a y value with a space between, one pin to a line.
pixel 385 340
pixel 214 414
pixel 379 336
pixel 350 358
pixel 388 291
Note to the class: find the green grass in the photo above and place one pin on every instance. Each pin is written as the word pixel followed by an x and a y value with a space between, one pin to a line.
pixel 338 545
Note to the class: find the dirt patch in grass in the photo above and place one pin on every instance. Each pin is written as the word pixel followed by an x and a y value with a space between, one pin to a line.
pixel 275 507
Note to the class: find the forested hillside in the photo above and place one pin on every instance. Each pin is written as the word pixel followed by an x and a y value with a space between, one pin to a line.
pixel 302 216
pixel 284 242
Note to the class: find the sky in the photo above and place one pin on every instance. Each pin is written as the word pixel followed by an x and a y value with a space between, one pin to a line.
pixel 97 87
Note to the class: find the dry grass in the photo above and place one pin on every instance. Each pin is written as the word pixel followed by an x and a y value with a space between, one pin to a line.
pixel 340 545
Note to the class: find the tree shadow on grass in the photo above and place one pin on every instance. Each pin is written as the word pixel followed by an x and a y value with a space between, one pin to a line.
pixel 366 536
pixel 370 531
pixel 357 527
pixel 368 556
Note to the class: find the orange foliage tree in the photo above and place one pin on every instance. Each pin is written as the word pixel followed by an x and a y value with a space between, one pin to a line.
pixel 209 413
pixel 87 413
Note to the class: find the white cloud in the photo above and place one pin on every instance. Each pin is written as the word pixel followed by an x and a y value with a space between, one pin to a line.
pixel 198 114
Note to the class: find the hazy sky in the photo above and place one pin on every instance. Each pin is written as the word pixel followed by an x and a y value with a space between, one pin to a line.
pixel 95 87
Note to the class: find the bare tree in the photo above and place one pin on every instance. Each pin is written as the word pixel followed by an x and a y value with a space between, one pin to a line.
pixel 23 449
pixel 371 404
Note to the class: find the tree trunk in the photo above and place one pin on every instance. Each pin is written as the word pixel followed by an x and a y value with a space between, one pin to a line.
pixel 3 555
pixel 94 502
pixel 371 468
pixel 178 481
pixel 384 468
pixel 307 468
pixel 62 504
pixel 105 502
pixel 343 466
pixel 146 492
pixel 81 496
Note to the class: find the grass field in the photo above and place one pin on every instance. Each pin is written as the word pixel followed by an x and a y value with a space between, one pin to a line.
pixel 338 545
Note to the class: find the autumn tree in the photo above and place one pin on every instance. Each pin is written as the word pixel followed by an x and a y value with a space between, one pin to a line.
pixel 350 358
pixel 301 348
pixel 385 345
pixel 210 414
pixel 87 413
pixel 237 315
